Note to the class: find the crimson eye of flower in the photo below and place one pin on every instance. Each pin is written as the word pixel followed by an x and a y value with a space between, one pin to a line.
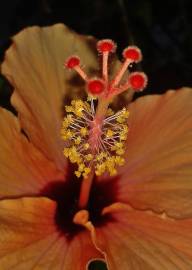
pixel 72 62
pixel 106 45
pixel 95 86
pixel 66 194
pixel 133 53
pixel 138 81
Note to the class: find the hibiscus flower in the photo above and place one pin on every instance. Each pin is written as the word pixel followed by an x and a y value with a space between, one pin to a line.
pixel 134 216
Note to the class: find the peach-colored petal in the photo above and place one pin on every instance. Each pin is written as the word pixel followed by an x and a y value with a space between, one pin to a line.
pixel 34 65
pixel 158 170
pixel 29 239
pixel 143 240
pixel 23 169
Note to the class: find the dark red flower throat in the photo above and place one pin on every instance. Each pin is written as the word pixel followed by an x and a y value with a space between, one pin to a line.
pixel 66 195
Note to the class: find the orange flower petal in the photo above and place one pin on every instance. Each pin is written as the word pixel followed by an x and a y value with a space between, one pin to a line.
pixel 158 170
pixel 34 65
pixel 23 169
pixel 144 240
pixel 30 240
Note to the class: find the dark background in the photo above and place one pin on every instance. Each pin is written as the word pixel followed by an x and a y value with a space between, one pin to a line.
pixel 162 29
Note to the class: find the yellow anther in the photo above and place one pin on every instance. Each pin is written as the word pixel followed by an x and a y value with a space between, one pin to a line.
pixel 112 171
pixel 86 146
pixel 69 117
pixel 76 107
pixel 77 103
pixel 119 145
pixel 84 131
pixel 120 151
pixel 119 160
pixel 86 171
pixel 89 157
pixel 81 167
pixel 66 152
pixel 65 123
pixel 123 137
pixel 66 134
pixel 77 140
pixel 100 168
pixel 74 155
pixel 123 116
pixel 77 173
pixel 120 119
pixel 125 128
pixel 78 112
pixel 69 109
pixel 109 133
pixel 125 113
pixel 101 155
pixel 123 133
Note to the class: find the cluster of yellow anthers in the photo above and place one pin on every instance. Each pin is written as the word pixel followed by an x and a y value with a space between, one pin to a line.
pixel 93 133
pixel 86 148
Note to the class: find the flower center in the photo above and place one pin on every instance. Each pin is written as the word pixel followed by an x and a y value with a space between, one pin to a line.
pixel 66 195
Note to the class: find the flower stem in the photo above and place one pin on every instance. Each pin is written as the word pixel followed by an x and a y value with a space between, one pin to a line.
pixel 85 190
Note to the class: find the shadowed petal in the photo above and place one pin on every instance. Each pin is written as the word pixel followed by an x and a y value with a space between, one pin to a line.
pixel 34 65
pixel 30 240
pixel 158 170
pixel 142 240
pixel 23 169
